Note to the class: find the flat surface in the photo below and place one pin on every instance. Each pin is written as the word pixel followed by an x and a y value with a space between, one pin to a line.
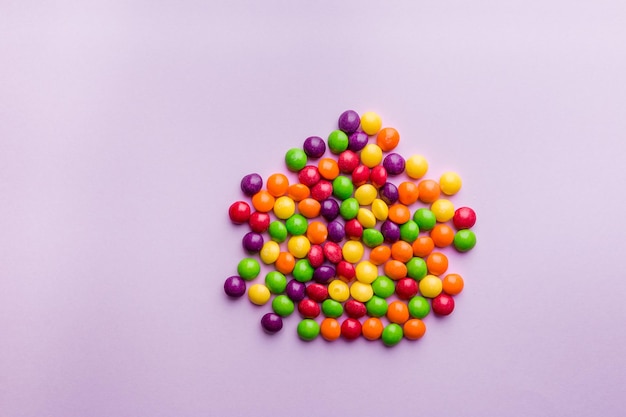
pixel 125 127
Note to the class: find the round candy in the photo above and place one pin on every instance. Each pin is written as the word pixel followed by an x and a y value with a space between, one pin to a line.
pixel 442 235
pixel 332 308
pixel 248 268
pixel 464 240
pixel 351 328
pixel 437 263
pixel 464 218
pixel 430 286
pixel 383 286
pixel 423 245
pixel 259 222
pixel 394 164
pixel 442 209
pixel 443 305
pixel 323 274
pixel 389 193
pixel 372 328
pixel 308 308
pixel 371 123
pixel 296 225
pixel 349 208
pixel 303 271
pixel 357 141
pixel 338 290
pixel 348 161
pixel 271 323
pixel 316 256
pixel 346 271
pixel 453 284
pixel 398 312
pixel 450 183
pixel 251 184
pixel 390 231
pixel 388 138
pixel 322 190
pixel 349 121
pixel 328 168
pixel 366 218
pixel 336 231
pixel 366 272
pixel 239 212
pixel 342 187
pixel 285 262
pixel 378 176
pixel 401 251
pixel 332 252
pixel 330 329
pixel 380 209
pixel 298 192
pixel 353 229
pixel 361 292
pixel 259 294
pixel 428 191
pixel 263 201
pixel 376 306
pixel 282 305
pixel 409 231
pixel 408 193
pixel 392 334
pixel 309 175
pixel 414 329
pixel 317 232
pixel 366 194
pixel 406 288
pixel 275 282
pixel 308 329
pixel 234 286
pixel 425 219
pixel 355 309
pixel 352 251
pixel 314 147
pixel 360 175
pixel 337 141
pixel 278 231
pixel 416 268
pixel 295 159
pixel 419 307
pixel 399 214
pixel 277 185
pixel 329 209
pixel 284 207
pixel 380 254
pixel 295 290
pixel 372 238
pixel 371 155
pixel 309 208
pixel 269 252
pixel 416 166
pixel 317 292
pixel 299 246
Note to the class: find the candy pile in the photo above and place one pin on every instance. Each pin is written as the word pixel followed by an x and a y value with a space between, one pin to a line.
pixel 357 248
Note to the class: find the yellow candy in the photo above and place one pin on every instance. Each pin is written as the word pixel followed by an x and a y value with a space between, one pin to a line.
pixel 365 194
pixel 299 246
pixel 371 123
pixel 380 209
pixel 443 210
pixel 338 290
pixel 269 252
pixel 259 294
pixel 416 166
pixel 450 183
pixel 371 155
pixel 352 251
pixel 430 286
pixel 366 218
pixel 366 272
pixel 361 292
pixel 284 207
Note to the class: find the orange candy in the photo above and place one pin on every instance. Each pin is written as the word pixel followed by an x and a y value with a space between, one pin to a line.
pixel 428 191
pixel 398 312
pixel 285 263
pixel 387 139
pixel 442 235
pixel 372 328
pixel 380 254
pixel 395 269
pixel 330 329
pixel 328 168
pixel 399 213
pixel 401 251
pixel 317 232
pixel 437 263
pixel 277 185
pixel 408 193
pixel 453 284
pixel 309 208
pixel 263 201
pixel 298 192
pixel 414 329
pixel 423 246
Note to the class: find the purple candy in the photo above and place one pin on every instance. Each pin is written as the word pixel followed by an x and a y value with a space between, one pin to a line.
pixel 388 193
pixel 357 141
pixel 252 242
pixel 235 286
pixel 323 274
pixel 336 231
pixel 295 290
pixel 349 121
pixel 271 323
pixel 329 209
pixel 251 184
pixel 390 231
pixel 314 147
pixel 394 164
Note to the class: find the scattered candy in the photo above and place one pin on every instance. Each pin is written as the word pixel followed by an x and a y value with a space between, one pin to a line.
pixel 352 232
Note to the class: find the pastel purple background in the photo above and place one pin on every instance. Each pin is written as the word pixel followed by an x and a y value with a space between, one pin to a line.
pixel 125 127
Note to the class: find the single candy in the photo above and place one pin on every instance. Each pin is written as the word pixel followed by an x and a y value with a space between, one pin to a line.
pixel 271 323
pixel 251 184
pixel 464 218
pixel 295 290
pixel 442 235
pixel 351 328
pixel 401 251
pixel 282 305
pixel 388 138
pixel 234 286
pixel 332 252
pixel 437 263
pixel 330 329
pixel 308 308
pixel 354 229
pixel 425 219
pixel 372 328
pixel 349 208
pixel 378 176
pixel 338 290
pixel 352 251
pixel 329 209
pixel 298 192
pixel 443 305
pixel 317 232
pixel 314 147
pixel 453 284
pixel 372 238
pixel 309 175
pixel 277 185
pixel 296 225
pixel 390 231
pixel 380 209
pixel 430 286
pixel 380 254
pixel 389 193
pixel 323 274
pixel 259 294
pixel 395 269
pixel 342 187
pixel 284 207
pixel 316 256
pixel 317 292
pixel 371 122
pixel 248 268
pixel 299 246
pixel 383 286
pixel 398 312
pixel 442 209
pixel 348 161
pixel 285 263
pixel 278 231
pixel 259 222
pixel 275 282
pixel 409 231
pixel 361 292
pixel 263 201
pixel 464 240
pixel 322 190
pixel 394 164
pixel 346 271
pixel 303 271
pixel 336 231
pixel 371 155
pixel 366 272
pixel 252 242
pixel 366 218
pixel 419 307
pixel 392 334
pixel 450 183
pixel 357 141
pixel 309 208
pixel 406 288
pixel 360 175
pixel 332 308
pixel 295 159
pixel 328 168
pixel 408 193
pixel 349 121
pixel 337 141
pixel 308 329
pixel 423 246
pixel 416 166
pixel 239 212
pixel 416 268
pixel 365 194
pixel 428 191
pixel 376 306
pixel 355 309
pixel 414 329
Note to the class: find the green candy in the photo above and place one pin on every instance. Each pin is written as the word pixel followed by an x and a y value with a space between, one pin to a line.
pixel 337 141
pixel 416 268
pixel 276 282
pixel 308 329
pixel 282 305
pixel 392 334
pixel 342 187
pixel 303 271
pixel 464 240
pixel 297 225
pixel 277 231
pixel 295 159
pixel 376 306
pixel 418 307
pixel 349 208
pixel 409 231
pixel 383 286
pixel 332 308
pixel 425 219
pixel 372 238
pixel 248 268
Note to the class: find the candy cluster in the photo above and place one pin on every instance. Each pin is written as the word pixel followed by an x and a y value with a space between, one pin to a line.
pixel 346 242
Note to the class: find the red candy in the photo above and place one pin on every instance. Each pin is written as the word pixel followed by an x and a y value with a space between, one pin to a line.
pixel 239 212
pixel 443 304
pixel 360 175
pixel 348 161
pixel 351 328
pixel 259 222
pixel 355 309
pixel 308 308
pixel 316 256
pixel 406 288
pixel 322 190
pixel 464 218
pixel 317 292
pixel 332 252
pixel 309 175
pixel 378 176
pixel 353 229
pixel 345 271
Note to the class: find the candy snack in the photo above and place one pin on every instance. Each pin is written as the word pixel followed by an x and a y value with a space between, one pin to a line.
pixel 352 251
